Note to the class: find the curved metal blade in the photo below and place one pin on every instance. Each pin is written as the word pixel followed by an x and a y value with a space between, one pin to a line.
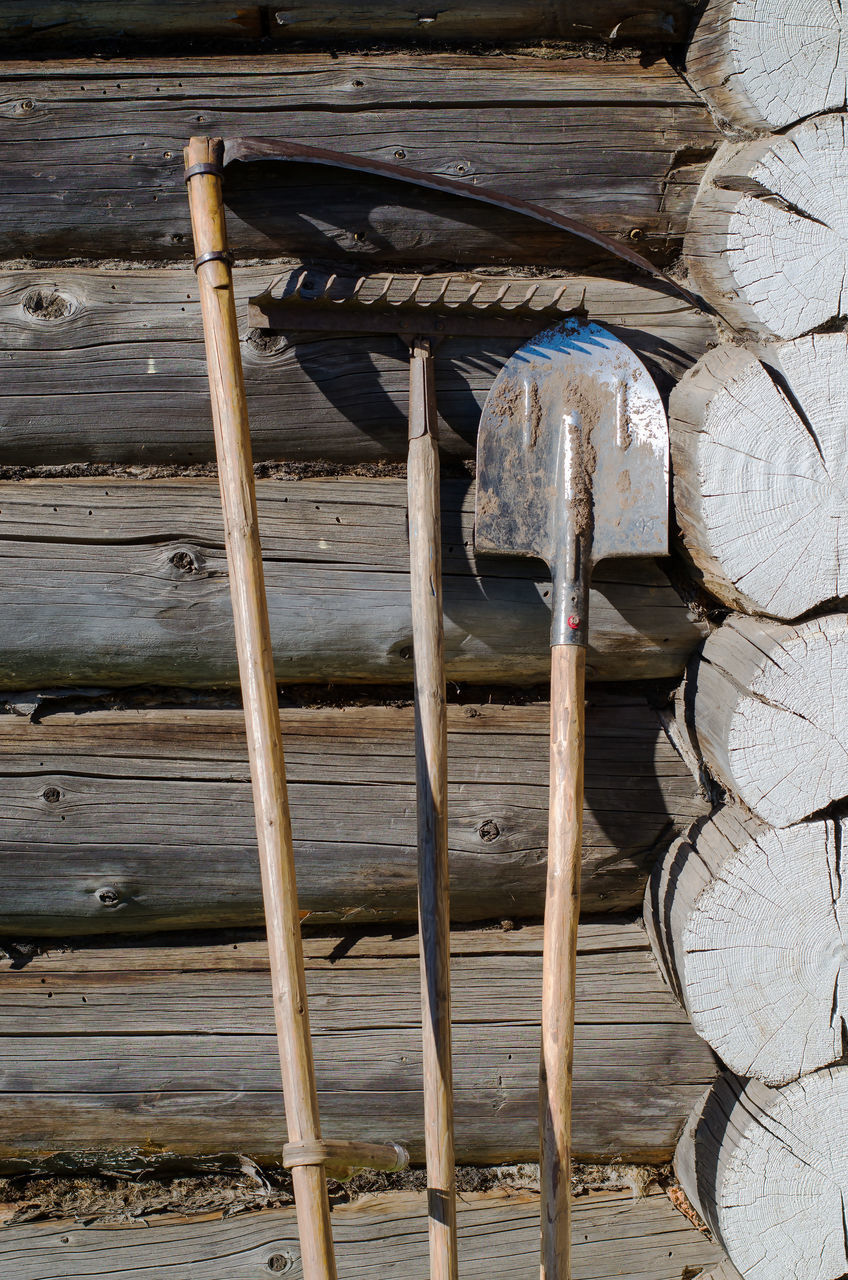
pixel 247 149
pixel 573 441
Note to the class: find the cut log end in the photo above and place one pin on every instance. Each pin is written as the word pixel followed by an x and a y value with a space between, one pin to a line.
pixel 748 924
pixel 759 473
pixel 766 238
pixel 766 63
pixel 767 1169
pixel 769 723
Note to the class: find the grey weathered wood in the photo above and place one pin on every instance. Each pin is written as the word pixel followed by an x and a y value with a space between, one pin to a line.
pixel 747 922
pixel 601 141
pixel 767 1171
pixel 122 1067
pixel 764 64
pixel 765 241
pixel 155 805
pixel 767 701
pixel 614 1235
pixel 499 20
pixel 757 443
pixel 107 366
pixel 80 24
pixel 120 582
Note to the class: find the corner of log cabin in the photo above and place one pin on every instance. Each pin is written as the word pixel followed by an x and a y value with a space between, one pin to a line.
pixel 138 1071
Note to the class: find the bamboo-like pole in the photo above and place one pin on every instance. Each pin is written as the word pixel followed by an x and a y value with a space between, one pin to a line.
pixel 259 689
pixel 431 750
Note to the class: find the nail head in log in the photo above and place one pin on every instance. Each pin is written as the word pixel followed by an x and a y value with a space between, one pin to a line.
pixel 767 1169
pixel 747 924
pixel 769 716
pixel 765 242
pixel 758 446
pixel 766 63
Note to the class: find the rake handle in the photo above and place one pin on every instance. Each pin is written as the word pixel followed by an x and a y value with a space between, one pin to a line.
pixel 259 688
pixel 562 912
pixel 431 747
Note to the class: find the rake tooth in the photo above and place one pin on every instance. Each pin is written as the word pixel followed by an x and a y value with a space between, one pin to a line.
pixel 500 295
pixel 378 297
pixel 440 293
pixel 560 291
pixel 473 291
pixel 299 283
pixel 357 288
pixel 413 296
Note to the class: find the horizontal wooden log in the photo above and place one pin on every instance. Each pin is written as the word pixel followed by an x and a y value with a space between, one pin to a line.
pixel 764 64
pixel 163 1055
pixel 614 1235
pixel 766 1169
pixel 139 820
pixel 599 141
pixel 108 366
pixel 757 437
pixel 71 23
pixel 119 582
pixel 500 20
pixel 767 713
pixel 765 243
pixel 67 22
pixel 747 923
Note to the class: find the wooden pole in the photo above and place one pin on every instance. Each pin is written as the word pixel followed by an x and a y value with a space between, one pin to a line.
pixel 562 914
pixel 431 785
pixel 259 688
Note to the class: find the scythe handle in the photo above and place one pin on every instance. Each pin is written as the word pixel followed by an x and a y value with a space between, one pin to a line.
pixel 562 911
pixel 258 680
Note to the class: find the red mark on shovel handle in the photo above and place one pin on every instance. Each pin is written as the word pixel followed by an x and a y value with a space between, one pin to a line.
pixel 573 621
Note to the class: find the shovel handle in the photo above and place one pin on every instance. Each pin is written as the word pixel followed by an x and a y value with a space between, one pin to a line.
pixel 562 911
pixel 258 681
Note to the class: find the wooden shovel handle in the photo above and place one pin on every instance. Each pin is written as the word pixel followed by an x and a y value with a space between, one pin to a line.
pixel 562 911
pixel 259 689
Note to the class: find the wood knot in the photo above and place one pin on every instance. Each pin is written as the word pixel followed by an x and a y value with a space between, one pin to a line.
pixel 108 896
pixel 488 831
pixel 185 562
pixel 265 342
pixel 51 794
pixel 47 304
pixel 279 1262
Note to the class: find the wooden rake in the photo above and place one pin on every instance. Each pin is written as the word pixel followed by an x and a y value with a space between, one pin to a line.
pixel 309 1157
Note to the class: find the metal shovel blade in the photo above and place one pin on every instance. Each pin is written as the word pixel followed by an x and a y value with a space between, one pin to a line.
pixel 573 436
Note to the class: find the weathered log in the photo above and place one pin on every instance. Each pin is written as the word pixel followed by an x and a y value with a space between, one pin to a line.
pixel 82 378
pixel 94 838
pixel 758 444
pixel 615 1234
pixel 747 923
pixel 768 702
pixel 119 582
pixel 767 1171
pixel 169 1051
pixel 64 22
pixel 764 64
pixel 723 1270
pixel 68 22
pixel 617 144
pixel 765 241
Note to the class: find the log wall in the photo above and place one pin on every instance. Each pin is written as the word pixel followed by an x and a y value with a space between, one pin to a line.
pixel 124 791
pixel 745 911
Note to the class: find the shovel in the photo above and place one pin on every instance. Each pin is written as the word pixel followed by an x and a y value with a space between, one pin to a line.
pixel 572 468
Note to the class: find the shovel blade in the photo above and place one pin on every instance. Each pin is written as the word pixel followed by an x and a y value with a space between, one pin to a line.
pixel 577 373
